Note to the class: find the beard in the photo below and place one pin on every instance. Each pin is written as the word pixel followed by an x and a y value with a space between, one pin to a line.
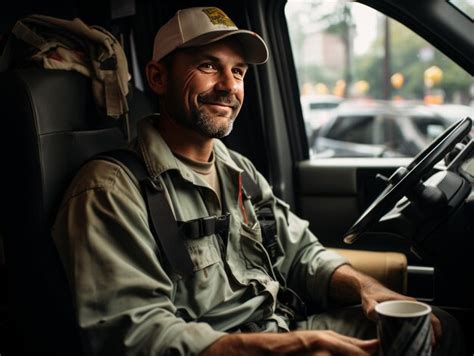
pixel 211 124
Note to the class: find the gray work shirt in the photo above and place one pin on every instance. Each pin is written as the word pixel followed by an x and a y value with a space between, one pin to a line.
pixel 127 302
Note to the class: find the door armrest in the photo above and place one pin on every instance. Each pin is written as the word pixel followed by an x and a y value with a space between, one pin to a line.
pixel 389 268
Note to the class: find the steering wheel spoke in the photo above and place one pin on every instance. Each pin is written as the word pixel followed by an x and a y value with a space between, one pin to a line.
pixel 405 181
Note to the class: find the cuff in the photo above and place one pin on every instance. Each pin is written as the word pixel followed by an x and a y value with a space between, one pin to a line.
pixel 195 338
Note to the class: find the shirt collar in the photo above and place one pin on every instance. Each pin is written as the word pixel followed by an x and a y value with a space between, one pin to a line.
pixel 159 158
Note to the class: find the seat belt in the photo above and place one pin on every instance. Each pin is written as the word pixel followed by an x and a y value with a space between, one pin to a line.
pixel 171 239
pixel 159 211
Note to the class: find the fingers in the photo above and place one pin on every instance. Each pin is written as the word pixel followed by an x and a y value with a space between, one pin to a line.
pixel 368 347
pixel 334 343
pixel 355 341
pixel 437 330
pixel 378 295
pixel 344 345
pixel 369 309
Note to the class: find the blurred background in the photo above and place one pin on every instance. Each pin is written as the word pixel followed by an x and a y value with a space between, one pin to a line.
pixel 370 87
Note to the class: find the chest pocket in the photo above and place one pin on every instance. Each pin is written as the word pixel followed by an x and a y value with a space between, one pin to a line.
pixel 254 253
pixel 203 252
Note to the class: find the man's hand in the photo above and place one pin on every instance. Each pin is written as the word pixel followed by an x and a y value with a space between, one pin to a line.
pixel 321 342
pixel 355 286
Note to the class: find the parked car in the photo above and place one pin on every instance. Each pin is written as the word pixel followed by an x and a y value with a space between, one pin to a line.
pixel 317 109
pixel 382 129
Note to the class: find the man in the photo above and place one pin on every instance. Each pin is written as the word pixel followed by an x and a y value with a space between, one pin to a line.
pixel 128 298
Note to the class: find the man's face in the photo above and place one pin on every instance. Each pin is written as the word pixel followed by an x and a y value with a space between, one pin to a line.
pixel 205 87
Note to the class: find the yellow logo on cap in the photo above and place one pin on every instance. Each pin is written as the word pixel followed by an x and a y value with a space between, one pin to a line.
pixel 218 17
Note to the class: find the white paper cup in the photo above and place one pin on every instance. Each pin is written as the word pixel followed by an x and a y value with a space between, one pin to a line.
pixel 404 328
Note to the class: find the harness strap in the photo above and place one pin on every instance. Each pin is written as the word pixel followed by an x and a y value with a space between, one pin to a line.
pixel 170 234
pixel 269 232
pixel 161 218
pixel 197 228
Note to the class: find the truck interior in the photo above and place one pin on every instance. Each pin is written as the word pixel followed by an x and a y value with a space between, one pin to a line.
pixel 406 220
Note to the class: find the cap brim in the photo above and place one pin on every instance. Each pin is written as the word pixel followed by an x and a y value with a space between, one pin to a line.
pixel 254 47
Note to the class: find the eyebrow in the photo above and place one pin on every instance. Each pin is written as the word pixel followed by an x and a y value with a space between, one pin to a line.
pixel 216 59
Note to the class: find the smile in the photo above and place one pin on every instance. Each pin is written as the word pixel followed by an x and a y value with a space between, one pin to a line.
pixel 219 104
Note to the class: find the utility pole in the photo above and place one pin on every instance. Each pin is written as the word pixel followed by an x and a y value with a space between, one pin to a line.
pixel 386 60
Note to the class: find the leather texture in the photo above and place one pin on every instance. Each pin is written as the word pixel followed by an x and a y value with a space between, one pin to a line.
pixel 50 126
pixel 390 268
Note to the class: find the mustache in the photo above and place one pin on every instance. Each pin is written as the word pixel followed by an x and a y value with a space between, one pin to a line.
pixel 219 98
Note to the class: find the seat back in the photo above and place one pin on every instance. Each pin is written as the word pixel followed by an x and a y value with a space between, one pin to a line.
pixel 50 127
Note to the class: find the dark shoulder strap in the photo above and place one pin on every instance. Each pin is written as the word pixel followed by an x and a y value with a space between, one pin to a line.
pixel 161 219
pixel 127 158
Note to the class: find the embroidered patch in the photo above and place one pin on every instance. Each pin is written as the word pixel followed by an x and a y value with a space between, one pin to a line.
pixel 218 17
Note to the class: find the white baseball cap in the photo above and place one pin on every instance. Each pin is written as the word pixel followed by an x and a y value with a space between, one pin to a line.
pixel 198 26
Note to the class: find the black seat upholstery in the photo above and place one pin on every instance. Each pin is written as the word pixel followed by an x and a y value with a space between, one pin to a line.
pixel 50 125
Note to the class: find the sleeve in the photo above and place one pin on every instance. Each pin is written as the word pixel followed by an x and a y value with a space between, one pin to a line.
pixel 306 264
pixel 123 296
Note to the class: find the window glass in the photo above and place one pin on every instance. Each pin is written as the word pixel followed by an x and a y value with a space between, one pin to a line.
pixel 465 6
pixel 322 106
pixel 357 129
pixel 429 127
pixel 392 135
pixel 355 64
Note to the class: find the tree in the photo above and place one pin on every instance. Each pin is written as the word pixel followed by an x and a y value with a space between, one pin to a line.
pixel 408 59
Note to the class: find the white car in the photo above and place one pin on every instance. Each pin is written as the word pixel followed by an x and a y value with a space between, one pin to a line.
pixel 317 110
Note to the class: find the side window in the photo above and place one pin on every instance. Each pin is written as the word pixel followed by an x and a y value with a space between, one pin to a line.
pixel 355 129
pixel 429 127
pixel 392 135
pixel 356 66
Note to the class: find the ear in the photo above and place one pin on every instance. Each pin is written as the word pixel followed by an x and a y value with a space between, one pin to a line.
pixel 157 77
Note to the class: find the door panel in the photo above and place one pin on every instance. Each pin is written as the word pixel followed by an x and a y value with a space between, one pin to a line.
pixel 332 194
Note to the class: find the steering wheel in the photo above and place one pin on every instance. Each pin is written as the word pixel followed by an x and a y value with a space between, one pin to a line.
pixel 404 179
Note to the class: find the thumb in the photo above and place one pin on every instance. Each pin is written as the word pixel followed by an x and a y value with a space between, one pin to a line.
pixel 369 309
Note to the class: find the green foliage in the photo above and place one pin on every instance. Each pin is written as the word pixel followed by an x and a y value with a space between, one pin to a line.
pixel 406 58
pixel 409 54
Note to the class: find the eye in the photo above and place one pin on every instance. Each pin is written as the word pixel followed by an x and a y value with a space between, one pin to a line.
pixel 239 73
pixel 208 67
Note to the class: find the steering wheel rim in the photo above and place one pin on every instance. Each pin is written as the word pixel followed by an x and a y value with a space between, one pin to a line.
pixel 404 178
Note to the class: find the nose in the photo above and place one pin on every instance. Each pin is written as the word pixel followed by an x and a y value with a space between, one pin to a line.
pixel 227 82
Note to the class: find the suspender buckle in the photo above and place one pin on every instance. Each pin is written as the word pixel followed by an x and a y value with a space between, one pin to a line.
pixel 222 224
pixel 197 228
pixel 268 225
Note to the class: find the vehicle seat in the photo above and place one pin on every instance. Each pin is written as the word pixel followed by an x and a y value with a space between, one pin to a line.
pixel 50 125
